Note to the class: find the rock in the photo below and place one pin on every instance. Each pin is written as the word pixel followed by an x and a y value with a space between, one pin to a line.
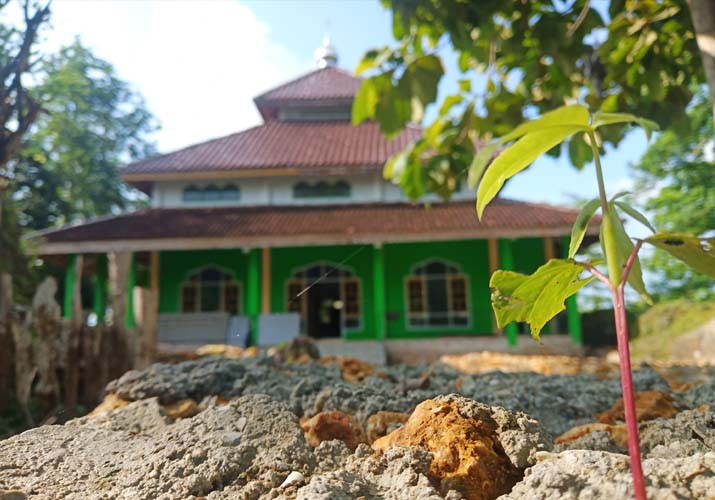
pixel 649 405
pixel 110 402
pixel 521 436
pixel 293 479
pixel 329 425
pixel 12 495
pixel 300 349
pixel 468 456
pixel 181 409
pixel 617 433
pixel 352 369
pixel 384 422
pixel 146 417
pixel 690 432
pixel 582 474
pixel 225 350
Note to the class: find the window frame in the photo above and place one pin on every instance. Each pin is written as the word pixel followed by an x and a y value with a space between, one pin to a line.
pixel 197 285
pixel 451 314
pixel 338 190
pixel 211 193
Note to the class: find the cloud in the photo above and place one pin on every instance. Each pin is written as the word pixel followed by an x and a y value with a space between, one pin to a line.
pixel 197 63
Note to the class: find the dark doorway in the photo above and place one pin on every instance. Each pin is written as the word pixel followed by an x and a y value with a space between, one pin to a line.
pixel 323 315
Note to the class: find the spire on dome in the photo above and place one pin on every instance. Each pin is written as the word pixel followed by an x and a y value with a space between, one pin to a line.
pixel 326 56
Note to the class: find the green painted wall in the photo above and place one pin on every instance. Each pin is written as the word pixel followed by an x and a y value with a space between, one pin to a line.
pixel 175 265
pixel 528 254
pixel 359 258
pixel 473 259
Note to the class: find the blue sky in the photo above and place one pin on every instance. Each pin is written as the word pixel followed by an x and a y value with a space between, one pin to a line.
pixel 199 63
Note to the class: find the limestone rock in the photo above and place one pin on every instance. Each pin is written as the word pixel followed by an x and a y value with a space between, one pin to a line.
pixel 353 369
pixel 649 405
pixel 110 402
pixel 384 422
pixel 329 425
pixel 181 409
pixel 468 456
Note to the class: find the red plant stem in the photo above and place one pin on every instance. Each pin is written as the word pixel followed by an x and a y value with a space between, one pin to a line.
pixel 629 401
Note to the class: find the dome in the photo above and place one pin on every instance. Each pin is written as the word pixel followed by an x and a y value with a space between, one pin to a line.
pixel 326 55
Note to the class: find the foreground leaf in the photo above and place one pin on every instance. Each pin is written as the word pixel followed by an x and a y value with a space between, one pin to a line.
pixel 516 158
pixel 635 214
pixel 600 119
pixel 617 247
pixel 576 115
pixel 578 231
pixel 536 298
pixel 698 253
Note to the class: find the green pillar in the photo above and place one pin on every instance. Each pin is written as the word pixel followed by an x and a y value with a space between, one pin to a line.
pixel 506 263
pixel 129 320
pixel 378 292
pixel 253 297
pixel 99 283
pixel 573 316
pixel 70 280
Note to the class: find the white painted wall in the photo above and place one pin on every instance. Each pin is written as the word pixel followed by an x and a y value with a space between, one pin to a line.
pixel 365 188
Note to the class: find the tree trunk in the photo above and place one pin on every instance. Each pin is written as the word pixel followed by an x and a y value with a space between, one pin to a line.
pixel 703 14
pixel 7 345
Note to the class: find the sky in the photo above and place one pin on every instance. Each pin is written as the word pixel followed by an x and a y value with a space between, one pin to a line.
pixel 199 64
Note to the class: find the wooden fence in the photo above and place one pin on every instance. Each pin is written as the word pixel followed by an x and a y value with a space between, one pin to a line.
pixel 61 363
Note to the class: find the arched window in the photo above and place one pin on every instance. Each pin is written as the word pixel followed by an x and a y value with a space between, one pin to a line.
pixel 210 289
pixel 212 192
pixel 437 295
pixel 321 189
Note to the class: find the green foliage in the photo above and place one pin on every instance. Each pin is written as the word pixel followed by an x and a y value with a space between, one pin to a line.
pixel 536 298
pixel 698 253
pixel 675 177
pixel 94 122
pixel 578 232
pixel 536 56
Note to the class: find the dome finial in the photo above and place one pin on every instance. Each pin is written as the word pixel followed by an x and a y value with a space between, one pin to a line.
pixel 326 56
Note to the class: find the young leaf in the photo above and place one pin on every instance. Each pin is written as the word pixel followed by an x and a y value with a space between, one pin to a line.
pixel 600 119
pixel 617 247
pixel 635 214
pixel 698 253
pixel 365 101
pixel 480 162
pixel 581 225
pixel 537 298
pixel 575 115
pixel 516 158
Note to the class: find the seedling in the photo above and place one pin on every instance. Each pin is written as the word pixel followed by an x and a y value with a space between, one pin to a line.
pixel 537 298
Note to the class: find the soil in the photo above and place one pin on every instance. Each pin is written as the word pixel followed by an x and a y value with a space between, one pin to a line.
pixel 264 427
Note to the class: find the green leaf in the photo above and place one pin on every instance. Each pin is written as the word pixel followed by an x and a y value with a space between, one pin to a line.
pixel 617 248
pixel 600 119
pixel 574 115
pixel 465 85
pixel 635 214
pixel 480 162
pixel 581 225
pixel 517 157
pixel 620 194
pixel 422 76
pixel 369 60
pixel 364 102
pixel 698 253
pixel 536 298
pixel 449 102
pixel 395 166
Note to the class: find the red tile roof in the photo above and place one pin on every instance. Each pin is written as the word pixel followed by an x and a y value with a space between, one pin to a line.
pixel 300 225
pixel 276 144
pixel 321 85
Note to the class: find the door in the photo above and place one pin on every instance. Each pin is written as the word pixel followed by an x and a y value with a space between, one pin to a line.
pixel 324 310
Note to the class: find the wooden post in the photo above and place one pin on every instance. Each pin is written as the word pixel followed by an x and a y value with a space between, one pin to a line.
pixel 99 282
pixel 118 267
pixel 7 345
pixel 378 291
pixel 493 247
pixel 506 257
pixel 265 280
pixel 71 334
pixel 69 285
pixel 130 319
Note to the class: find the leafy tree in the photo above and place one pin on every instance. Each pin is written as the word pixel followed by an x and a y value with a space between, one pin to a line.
pixel 638 57
pixel 94 122
pixel 678 171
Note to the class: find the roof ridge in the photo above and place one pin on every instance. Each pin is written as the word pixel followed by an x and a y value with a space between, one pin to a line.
pixel 262 96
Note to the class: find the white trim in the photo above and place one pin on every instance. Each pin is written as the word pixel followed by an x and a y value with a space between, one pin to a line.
pixel 104 246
